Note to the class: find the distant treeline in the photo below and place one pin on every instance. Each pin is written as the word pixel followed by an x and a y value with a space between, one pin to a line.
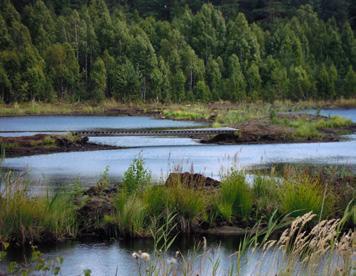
pixel 170 51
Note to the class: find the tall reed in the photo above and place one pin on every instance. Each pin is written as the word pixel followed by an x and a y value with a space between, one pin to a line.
pixel 25 218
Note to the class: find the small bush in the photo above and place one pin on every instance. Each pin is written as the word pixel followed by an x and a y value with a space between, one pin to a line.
pixel 136 178
pixel 304 195
pixel 235 197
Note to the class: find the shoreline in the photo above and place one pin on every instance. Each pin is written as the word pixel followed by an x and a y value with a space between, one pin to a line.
pixel 257 132
pixel 93 207
pixel 46 144
pixel 114 108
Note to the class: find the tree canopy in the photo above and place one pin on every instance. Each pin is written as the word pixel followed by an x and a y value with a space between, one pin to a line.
pixel 174 51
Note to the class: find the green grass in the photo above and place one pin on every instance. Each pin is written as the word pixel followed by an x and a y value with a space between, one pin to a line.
pixel 131 212
pixel 186 114
pixel 24 218
pixel 138 203
pixel 131 215
pixel 239 115
pixel 333 122
pixel 42 108
pixel 156 198
pixel 265 193
pixel 302 195
pixel 310 128
pixel 307 131
pixel 187 203
pixel 235 199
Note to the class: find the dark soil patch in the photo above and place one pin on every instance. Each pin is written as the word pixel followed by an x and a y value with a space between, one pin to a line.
pixel 44 144
pixel 261 131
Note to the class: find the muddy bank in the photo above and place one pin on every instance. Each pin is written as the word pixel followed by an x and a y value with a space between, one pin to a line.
pixel 44 144
pixel 99 202
pixel 260 131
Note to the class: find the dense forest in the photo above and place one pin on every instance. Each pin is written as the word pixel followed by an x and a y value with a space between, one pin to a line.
pixel 174 51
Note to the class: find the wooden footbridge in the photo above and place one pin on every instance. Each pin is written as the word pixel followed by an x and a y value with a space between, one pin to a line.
pixel 101 132
pixel 156 132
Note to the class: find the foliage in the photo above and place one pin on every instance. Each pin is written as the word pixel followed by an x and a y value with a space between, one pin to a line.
pixel 304 194
pixel 37 264
pixel 309 128
pixel 24 218
pixel 265 192
pixel 181 51
pixel 187 204
pixel 235 197
pixel 136 178
pixel 131 216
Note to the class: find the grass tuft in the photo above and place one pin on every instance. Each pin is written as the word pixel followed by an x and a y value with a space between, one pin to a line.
pixel 25 219
pixel 305 195
pixel 235 197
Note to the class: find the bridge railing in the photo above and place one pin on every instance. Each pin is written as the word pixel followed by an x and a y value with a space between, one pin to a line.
pixel 150 132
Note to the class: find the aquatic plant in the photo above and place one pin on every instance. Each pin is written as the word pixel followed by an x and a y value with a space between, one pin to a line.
pixel 265 193
pixel 136 177
pixel 300 250
pixel 235 198
pixel 24 218
pixel 131 217
pixel 37 265
pixel 187 203
pixel 333 122
pixel 303 195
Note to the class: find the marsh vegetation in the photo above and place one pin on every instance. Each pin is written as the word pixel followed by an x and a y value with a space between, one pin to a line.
pixel 308 216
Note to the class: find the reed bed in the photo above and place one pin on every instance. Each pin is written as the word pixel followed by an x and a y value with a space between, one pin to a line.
pixel 316 242
pixel 302 249
pixel 24 218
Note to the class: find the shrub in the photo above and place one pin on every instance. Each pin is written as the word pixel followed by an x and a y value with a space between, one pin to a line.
pixel 235 197
pixel 136 178
pixel 304 195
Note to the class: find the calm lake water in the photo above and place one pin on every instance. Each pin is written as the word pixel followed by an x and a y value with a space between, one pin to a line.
pixel 161 155
pixel 116 258
pixel 347 113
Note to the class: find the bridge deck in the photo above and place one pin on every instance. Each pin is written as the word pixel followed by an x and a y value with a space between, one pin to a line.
pixel 153 132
